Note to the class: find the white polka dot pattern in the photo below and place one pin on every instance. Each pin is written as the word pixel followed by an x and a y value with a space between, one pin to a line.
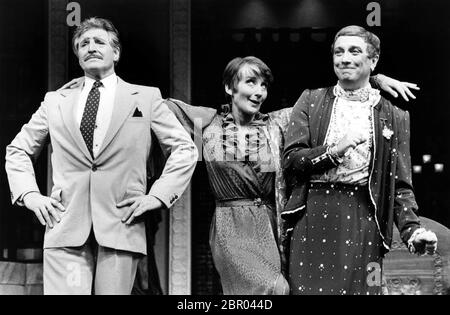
pixel 89 118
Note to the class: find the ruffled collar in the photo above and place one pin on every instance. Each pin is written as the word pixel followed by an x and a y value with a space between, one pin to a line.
pixel 254 138
pixel 228 119
pixel 360 95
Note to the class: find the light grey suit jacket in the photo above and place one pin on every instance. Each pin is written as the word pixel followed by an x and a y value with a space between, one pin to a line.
pixel 90 188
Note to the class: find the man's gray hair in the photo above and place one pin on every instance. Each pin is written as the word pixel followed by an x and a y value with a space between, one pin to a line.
pixel 372 40
pixel 100 23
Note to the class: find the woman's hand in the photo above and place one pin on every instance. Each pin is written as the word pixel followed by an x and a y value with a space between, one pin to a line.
pixel 72 84
pixel 393 87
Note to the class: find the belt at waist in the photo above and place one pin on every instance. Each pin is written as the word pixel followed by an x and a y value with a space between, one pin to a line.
pixel 243 202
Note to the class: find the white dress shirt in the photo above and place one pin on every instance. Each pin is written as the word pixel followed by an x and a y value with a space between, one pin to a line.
pixel 105 108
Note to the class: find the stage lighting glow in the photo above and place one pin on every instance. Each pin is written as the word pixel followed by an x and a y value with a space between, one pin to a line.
pixel 417 169
pixel 426 158
pixel 438 167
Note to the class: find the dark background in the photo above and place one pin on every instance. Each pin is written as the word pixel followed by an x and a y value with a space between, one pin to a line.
pixel 292 36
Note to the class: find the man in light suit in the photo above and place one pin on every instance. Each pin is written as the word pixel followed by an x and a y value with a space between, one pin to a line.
pixel 101 138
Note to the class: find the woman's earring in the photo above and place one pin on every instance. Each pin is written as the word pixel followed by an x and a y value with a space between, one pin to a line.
pixel 226 109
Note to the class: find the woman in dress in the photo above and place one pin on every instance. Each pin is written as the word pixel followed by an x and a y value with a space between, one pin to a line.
pixel 241 149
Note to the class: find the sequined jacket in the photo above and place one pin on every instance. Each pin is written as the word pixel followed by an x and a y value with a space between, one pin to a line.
pixel 390 183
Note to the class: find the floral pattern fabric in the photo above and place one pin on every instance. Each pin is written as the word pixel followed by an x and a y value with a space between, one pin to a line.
pixel 351 113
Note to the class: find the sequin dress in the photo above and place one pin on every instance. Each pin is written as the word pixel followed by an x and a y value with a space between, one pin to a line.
pixel 335 247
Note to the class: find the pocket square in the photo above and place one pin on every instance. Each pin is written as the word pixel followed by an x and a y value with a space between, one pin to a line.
pixel 137 113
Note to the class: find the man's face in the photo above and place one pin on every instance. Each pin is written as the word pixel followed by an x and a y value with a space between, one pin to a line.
pixel 250 92
pixel 352 64
pixel 95 53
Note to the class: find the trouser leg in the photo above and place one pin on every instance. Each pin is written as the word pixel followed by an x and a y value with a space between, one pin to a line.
pixel 115 271
pixel 68 270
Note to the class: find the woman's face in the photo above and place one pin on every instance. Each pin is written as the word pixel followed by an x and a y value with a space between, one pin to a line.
pixel 250 91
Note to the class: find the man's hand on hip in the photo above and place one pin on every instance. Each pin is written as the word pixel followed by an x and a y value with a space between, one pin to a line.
pixel 45 208
pixel 138 206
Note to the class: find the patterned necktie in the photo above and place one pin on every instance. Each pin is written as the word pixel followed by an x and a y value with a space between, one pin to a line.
pixel 90 116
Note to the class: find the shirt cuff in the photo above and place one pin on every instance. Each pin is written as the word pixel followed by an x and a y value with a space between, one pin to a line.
pixel 19 201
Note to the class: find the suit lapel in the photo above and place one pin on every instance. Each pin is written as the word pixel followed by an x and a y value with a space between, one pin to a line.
pixel 123 105
pixel 68 112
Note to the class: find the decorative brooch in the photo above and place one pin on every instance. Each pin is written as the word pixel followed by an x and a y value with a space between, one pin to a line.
pixel 387 133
